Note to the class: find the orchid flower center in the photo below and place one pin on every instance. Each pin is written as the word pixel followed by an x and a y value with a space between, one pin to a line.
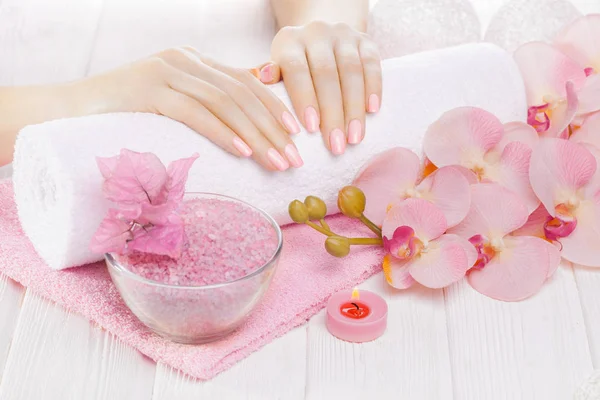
pixel 538 118
pixel 412 192
pixel 564 222
pixel 486 249
pixel 404 244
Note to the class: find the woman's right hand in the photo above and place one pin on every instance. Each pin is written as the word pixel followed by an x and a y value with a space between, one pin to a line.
pixel 228 106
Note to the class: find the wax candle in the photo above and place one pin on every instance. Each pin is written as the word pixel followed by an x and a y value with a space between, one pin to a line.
pixel 356 316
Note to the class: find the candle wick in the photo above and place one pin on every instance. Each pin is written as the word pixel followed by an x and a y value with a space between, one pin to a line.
pixel 355 305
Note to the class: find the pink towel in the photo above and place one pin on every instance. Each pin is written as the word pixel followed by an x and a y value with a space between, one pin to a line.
pixel 305 278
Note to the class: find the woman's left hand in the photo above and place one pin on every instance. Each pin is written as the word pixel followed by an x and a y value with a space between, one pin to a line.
pixel 332 74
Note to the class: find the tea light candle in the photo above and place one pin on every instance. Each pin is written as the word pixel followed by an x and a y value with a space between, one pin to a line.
pixel 356 316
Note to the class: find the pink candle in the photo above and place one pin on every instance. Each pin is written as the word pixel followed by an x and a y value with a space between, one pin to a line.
pixel 356 316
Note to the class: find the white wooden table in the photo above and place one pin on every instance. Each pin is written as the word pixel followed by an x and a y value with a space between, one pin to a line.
pixel 451 344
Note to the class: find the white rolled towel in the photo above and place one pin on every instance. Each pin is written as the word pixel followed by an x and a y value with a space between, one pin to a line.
pixel 58 186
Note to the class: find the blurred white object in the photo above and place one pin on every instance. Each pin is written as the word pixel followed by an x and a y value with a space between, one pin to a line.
pixel 590 389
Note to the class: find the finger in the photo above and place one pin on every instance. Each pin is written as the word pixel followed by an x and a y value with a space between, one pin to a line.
pixel 188 111
pixel 299 85
pixel 267 73
pixel 324 72
pixel 352 84
pixel 371 63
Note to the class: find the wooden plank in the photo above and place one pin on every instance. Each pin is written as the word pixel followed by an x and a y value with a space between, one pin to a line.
pixel 534 349
pixel 59 355
pixel 410 361
pixel 588 283
pixel 11 295
pixel 277 371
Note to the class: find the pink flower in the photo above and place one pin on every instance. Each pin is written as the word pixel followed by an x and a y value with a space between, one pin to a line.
pixel 477 141
pixel 508 268
pixel 419 250
pixel 392 176
pixel 589 132
pixel 564 176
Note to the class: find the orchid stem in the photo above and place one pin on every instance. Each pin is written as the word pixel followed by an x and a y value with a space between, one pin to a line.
pixel 365 241
pixel 370 225
pixel 319 228
pixel 324 225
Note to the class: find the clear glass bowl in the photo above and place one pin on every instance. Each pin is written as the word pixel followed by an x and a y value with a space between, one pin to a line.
pixel 196 314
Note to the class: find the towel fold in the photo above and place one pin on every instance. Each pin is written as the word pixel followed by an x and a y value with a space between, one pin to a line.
pixel 58 185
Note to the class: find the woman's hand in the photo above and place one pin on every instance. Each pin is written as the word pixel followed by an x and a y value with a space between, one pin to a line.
pixel 226 105
pixel 332 73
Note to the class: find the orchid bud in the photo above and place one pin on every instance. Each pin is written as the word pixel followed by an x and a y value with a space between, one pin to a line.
pixel 316 207
pixel 351 201
pixel 298 212
pixel 337 246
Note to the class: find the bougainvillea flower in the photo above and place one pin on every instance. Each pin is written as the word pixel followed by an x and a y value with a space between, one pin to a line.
pixel 564 176
pixel 579 41
pixel 551 99
pixel 419 249
pixel 393 176
pixel 508 268
pixel 475 139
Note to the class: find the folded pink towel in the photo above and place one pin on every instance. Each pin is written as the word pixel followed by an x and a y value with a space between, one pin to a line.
pixel 305 278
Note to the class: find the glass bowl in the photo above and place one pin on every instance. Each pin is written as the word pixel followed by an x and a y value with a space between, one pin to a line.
pixel 196 314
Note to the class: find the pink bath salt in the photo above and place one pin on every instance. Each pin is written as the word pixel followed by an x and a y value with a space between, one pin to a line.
pixel 225 241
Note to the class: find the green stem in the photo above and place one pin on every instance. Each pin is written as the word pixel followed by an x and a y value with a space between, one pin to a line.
pixel 365 241
pixel 370 225
pixel 319 228
pixel 324 225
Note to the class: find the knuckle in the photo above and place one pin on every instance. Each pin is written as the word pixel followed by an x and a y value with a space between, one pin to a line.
pixel 342 27
pixel 242 75
pixel 172 54
pixel 220 99
pixel 156 64
pixel 317 25
pixel 292 63
pixel 325 68
pixel 352 66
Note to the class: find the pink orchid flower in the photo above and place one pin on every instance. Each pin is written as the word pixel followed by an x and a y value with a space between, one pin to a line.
pixel 413 233
pixel 508 268
pixel 476 140
pixel 392 176
pixel 564 176
pixel 552 84
pixel 589 132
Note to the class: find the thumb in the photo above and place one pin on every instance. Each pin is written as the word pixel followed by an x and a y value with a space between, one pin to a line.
pixel 268 73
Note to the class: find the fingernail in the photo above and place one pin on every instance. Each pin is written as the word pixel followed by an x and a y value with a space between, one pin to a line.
pixel 373 103
pixel 311 119
pixel 337 141
pixel 242 147
pixel 292 154
pixel 354 131
pixel 278 161
pixel 290 122
pixel 266 73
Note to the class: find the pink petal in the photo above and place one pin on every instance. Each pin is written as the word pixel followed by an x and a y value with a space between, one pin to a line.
pixel 589 95
pixel 466 245
pixel 177 175
pixel 546 71
pixel 136 178
pixel 444 262
pixel 111 235
pixel 513 173
pixel 426 219
pixel 518 132
pixel 469 175
pixel 449 190
pixel 583 245
pixel 515 273
pixel 396 273
pixel 495 211
pixel 161 239
pixel 563 114
pixel 557 169
pixel 161 214
pixel 107 165
pixel 535 224
pixel 461 135
pixel 385 178
pixel 553 257
pixel 579 40
pixel 589 132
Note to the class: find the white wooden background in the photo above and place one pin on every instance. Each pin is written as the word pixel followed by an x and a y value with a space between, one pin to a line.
pixel 454 344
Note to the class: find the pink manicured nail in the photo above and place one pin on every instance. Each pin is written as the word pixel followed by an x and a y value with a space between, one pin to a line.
pixel 266 73
pixel 337 141
pixel 354 131
pixel 373 103
pixel 278 161
pixel 242 147
pixel 292 154
pixel 290 122
pixel 311 119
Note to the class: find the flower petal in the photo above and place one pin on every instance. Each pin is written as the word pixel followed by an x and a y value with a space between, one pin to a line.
pixel 471 251
pixel 161 239
pixel 563 114
pixel 553 257
pixel 396 272
pixel 426 219
pixel 461 135
pixel 535 224
pixel 177 173
pixel 449 190
pixel 445 262
pixel 518 132
pixel 546 71
pixel 579 40
pixel 583 245
pixel 515 273
pixel 557 169
pixel 495 211
pixel 112 234
pixel 589 132
pixel 385 178
pixel 589 95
